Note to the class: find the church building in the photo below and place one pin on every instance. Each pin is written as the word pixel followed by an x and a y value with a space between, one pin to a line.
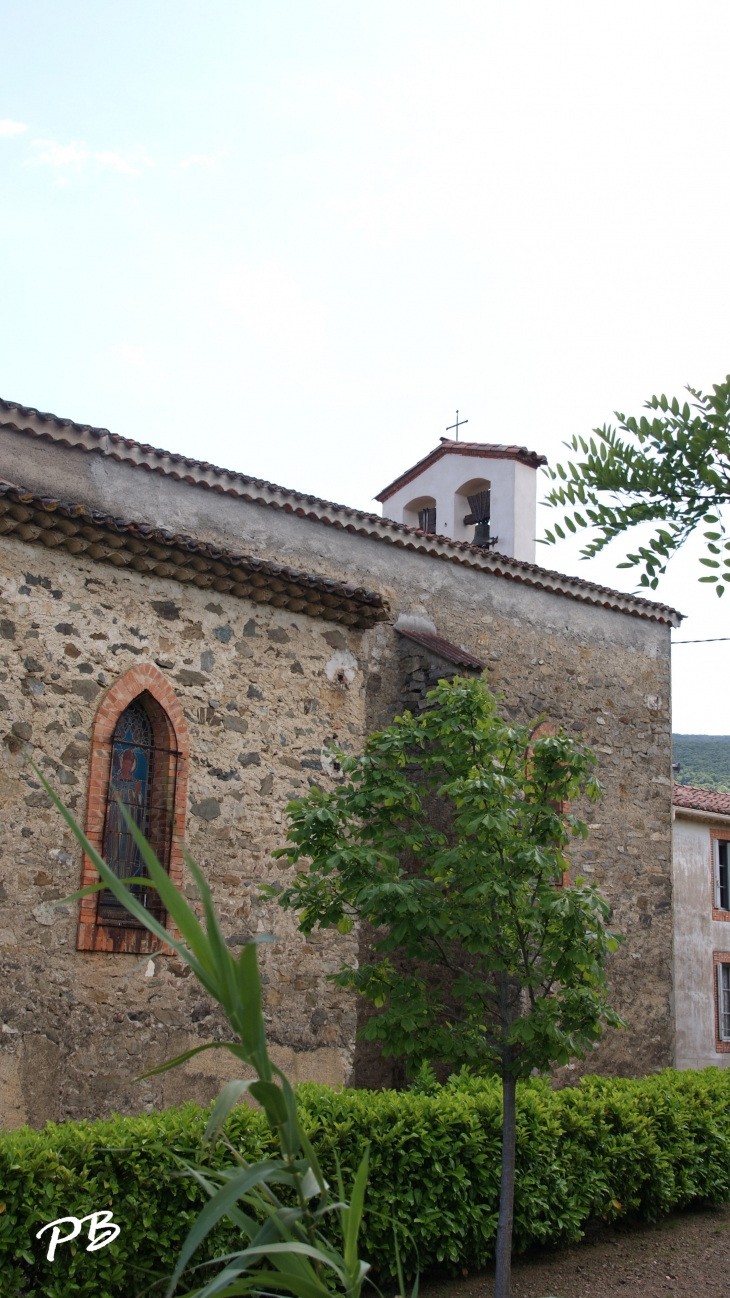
pixel 194 639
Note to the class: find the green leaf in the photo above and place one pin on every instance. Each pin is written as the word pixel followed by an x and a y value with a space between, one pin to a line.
pixel 188 1054
pixel 352 1216
pixel 226 1102
pixel 234 1189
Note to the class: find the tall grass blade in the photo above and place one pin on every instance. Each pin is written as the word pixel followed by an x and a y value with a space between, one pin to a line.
pixel 353 1215
pixel 226 1102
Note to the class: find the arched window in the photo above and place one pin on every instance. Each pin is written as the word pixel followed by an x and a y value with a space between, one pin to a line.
pixel 139 753
pixel 142 777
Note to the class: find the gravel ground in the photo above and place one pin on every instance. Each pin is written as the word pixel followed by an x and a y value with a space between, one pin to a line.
pixel 687 1255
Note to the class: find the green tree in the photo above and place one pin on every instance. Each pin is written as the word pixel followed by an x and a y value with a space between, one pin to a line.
pixel 672 469
pixel 449 836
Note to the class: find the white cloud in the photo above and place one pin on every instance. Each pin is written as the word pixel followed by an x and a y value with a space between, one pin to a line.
pixel 61 155
pixel 9 127
pixel 77 154
pixel 116 162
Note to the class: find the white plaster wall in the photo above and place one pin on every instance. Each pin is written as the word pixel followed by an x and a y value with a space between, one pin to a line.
pixel 514 494
pixel 525 512
pixel 696 937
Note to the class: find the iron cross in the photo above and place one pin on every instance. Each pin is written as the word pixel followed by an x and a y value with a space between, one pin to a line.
pixel 459 424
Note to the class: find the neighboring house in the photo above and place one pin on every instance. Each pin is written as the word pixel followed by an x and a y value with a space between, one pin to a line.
pixel 192 639
pixel 701 852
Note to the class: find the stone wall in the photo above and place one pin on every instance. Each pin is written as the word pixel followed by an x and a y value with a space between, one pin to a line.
pixel 263 692
pixel 612 693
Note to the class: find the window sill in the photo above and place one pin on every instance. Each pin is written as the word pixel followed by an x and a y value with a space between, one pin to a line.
pixel 115 938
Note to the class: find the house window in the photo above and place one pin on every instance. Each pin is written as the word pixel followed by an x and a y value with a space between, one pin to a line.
pixel 139 757
pixel 427 519
pixel 722 882
pixel 142 776
pixel 723 1002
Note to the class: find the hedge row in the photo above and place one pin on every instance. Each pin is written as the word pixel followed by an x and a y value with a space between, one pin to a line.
pixel 606 1148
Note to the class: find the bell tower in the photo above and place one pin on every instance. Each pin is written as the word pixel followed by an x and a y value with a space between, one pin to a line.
pixel 479 492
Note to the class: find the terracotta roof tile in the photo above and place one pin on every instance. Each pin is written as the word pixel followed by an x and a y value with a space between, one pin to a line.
pixel 199 473
pixel 684 795
pixel 42 520
pixel 444 648
pixel 479 450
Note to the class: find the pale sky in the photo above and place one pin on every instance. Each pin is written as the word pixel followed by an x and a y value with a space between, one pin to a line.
pixel 292 236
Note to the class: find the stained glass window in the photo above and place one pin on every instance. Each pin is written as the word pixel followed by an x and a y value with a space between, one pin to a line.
pixel 141 780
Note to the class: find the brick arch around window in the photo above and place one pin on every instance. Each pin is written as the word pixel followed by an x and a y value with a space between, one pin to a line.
pixel 147 684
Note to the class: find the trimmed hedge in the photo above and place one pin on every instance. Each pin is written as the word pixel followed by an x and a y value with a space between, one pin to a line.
pixel 607 1148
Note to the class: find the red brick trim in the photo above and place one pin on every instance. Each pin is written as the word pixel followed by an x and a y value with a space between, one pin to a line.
pixel 719 957
pixel 92 936
pixel 722 834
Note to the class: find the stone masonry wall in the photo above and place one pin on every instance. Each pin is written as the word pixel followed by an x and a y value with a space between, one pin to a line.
pixel 262 693
pixel 607 682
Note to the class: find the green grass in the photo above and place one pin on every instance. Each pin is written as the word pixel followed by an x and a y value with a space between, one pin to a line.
pixel 704 761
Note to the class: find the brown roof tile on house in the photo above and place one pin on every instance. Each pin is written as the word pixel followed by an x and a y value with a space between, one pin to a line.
pixel 42 520
pixel 684 795
pixel 444 648
pixel 199 473
pixel 480 450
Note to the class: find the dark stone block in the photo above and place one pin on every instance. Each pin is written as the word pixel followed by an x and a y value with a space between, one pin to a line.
pixel 86 689
pixel 235 723
pixel 165 608
pixel 208 809
pixel 187 677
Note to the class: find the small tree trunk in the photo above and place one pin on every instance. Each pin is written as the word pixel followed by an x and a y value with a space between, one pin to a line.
pixel 503 1279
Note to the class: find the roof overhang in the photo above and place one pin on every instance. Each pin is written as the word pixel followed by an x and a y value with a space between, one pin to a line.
pixel 74 529
pixel 199 473
pixel 478 450
pixel 708 817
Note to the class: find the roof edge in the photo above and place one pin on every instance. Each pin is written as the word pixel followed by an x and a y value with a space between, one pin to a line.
pixel 480 450
pixel 198 473
pixel 692 813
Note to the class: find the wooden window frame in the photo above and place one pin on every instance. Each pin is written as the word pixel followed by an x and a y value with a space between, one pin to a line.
pixel 719 958
pixel 92 935
pixel 717 836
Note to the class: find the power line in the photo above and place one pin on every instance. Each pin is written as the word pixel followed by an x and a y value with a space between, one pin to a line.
pixel 713 640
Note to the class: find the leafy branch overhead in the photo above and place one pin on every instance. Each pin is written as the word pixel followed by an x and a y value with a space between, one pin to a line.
pixel 672 469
